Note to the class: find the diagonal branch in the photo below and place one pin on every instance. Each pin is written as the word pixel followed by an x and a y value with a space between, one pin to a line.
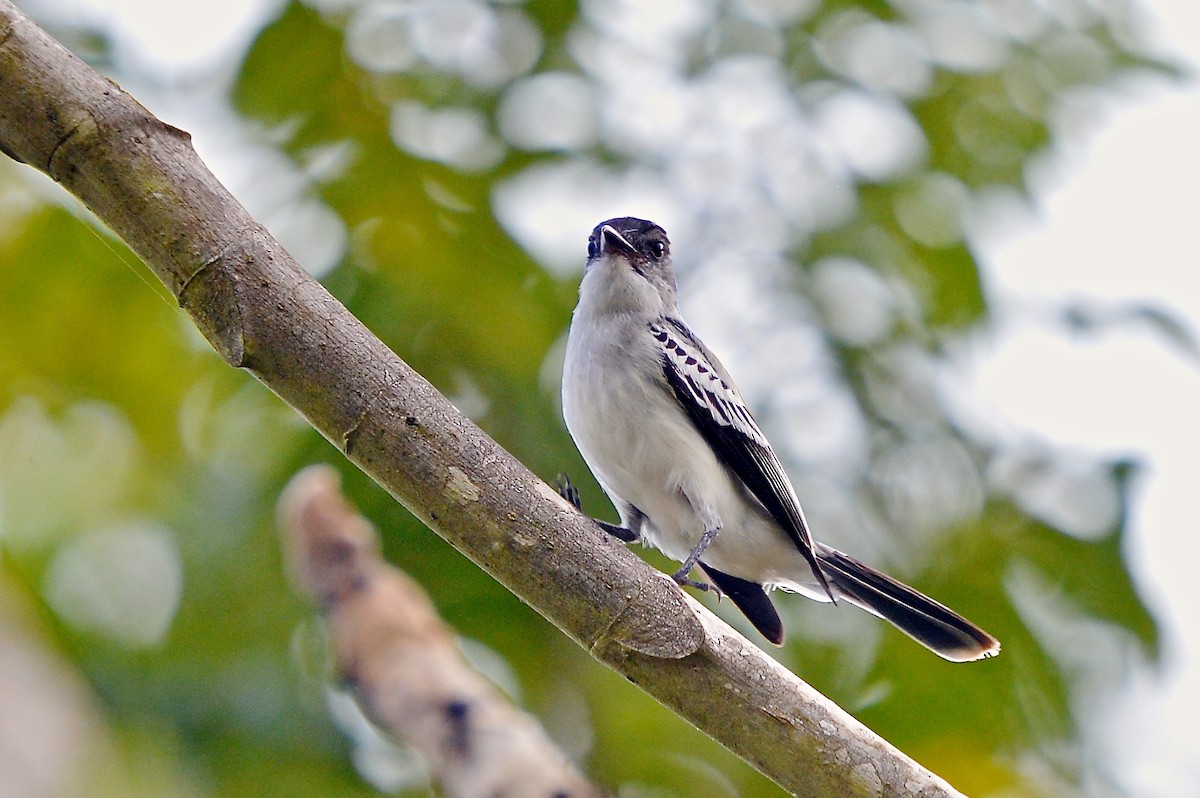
pixel 263 313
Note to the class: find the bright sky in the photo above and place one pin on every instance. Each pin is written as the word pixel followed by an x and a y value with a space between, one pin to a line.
pixel 1117 223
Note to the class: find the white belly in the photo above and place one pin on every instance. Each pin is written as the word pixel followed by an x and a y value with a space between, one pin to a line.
pixel 626 423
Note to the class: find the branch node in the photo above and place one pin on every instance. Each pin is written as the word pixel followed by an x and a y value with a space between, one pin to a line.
pixel 210 293
pixel 639 626
pixel 457 713
pixel 83 123
pixel 351 432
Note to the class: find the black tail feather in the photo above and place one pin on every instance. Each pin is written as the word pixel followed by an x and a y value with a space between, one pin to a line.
pixel 752 600
pixel 931 624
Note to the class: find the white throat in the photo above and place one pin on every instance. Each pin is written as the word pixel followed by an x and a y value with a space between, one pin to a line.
pixel 610 286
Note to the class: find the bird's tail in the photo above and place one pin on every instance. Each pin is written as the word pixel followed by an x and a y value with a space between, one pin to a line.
pixel 938 628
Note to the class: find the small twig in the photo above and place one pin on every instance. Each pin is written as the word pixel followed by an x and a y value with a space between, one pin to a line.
pixel 402 661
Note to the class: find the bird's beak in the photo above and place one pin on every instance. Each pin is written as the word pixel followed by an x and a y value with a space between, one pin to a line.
pixel 613 243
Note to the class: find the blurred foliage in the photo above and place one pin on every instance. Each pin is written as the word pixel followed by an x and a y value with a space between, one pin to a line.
pixel 138 474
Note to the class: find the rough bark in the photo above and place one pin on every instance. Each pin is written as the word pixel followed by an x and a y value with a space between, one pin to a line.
pixel 263 313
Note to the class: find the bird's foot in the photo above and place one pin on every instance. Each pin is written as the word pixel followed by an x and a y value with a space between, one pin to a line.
pixel 568 491
pixel 693 559
pixel 566 488
pixel 683 580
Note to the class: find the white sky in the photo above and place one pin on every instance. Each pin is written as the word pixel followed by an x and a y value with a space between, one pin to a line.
pixel 1118 221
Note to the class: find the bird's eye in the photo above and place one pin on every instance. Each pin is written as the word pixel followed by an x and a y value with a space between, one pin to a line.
pixel 592 248
pixel 657 249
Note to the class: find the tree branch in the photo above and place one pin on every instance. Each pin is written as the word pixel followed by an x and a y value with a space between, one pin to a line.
pixel 263 313
pixel 401 659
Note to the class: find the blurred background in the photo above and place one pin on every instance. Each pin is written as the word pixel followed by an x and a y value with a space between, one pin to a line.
pixel 947 247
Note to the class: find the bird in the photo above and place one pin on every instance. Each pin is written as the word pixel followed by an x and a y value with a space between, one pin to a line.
pixel 665 431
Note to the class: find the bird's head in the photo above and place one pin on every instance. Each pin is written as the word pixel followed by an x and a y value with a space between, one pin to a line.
pixel 629 264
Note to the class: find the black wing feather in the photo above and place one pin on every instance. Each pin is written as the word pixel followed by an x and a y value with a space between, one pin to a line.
pixel 717 410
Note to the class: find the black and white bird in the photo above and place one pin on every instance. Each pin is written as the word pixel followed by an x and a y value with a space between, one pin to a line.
pixel 670 439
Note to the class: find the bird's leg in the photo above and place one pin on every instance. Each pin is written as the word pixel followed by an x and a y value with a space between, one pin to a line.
pixel 568 491
pixel 681 576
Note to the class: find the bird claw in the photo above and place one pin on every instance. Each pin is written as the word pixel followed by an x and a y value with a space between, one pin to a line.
pixel 681 578
pixel 567 489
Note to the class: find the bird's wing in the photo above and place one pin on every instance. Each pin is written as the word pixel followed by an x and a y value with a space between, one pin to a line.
pixel 711 400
